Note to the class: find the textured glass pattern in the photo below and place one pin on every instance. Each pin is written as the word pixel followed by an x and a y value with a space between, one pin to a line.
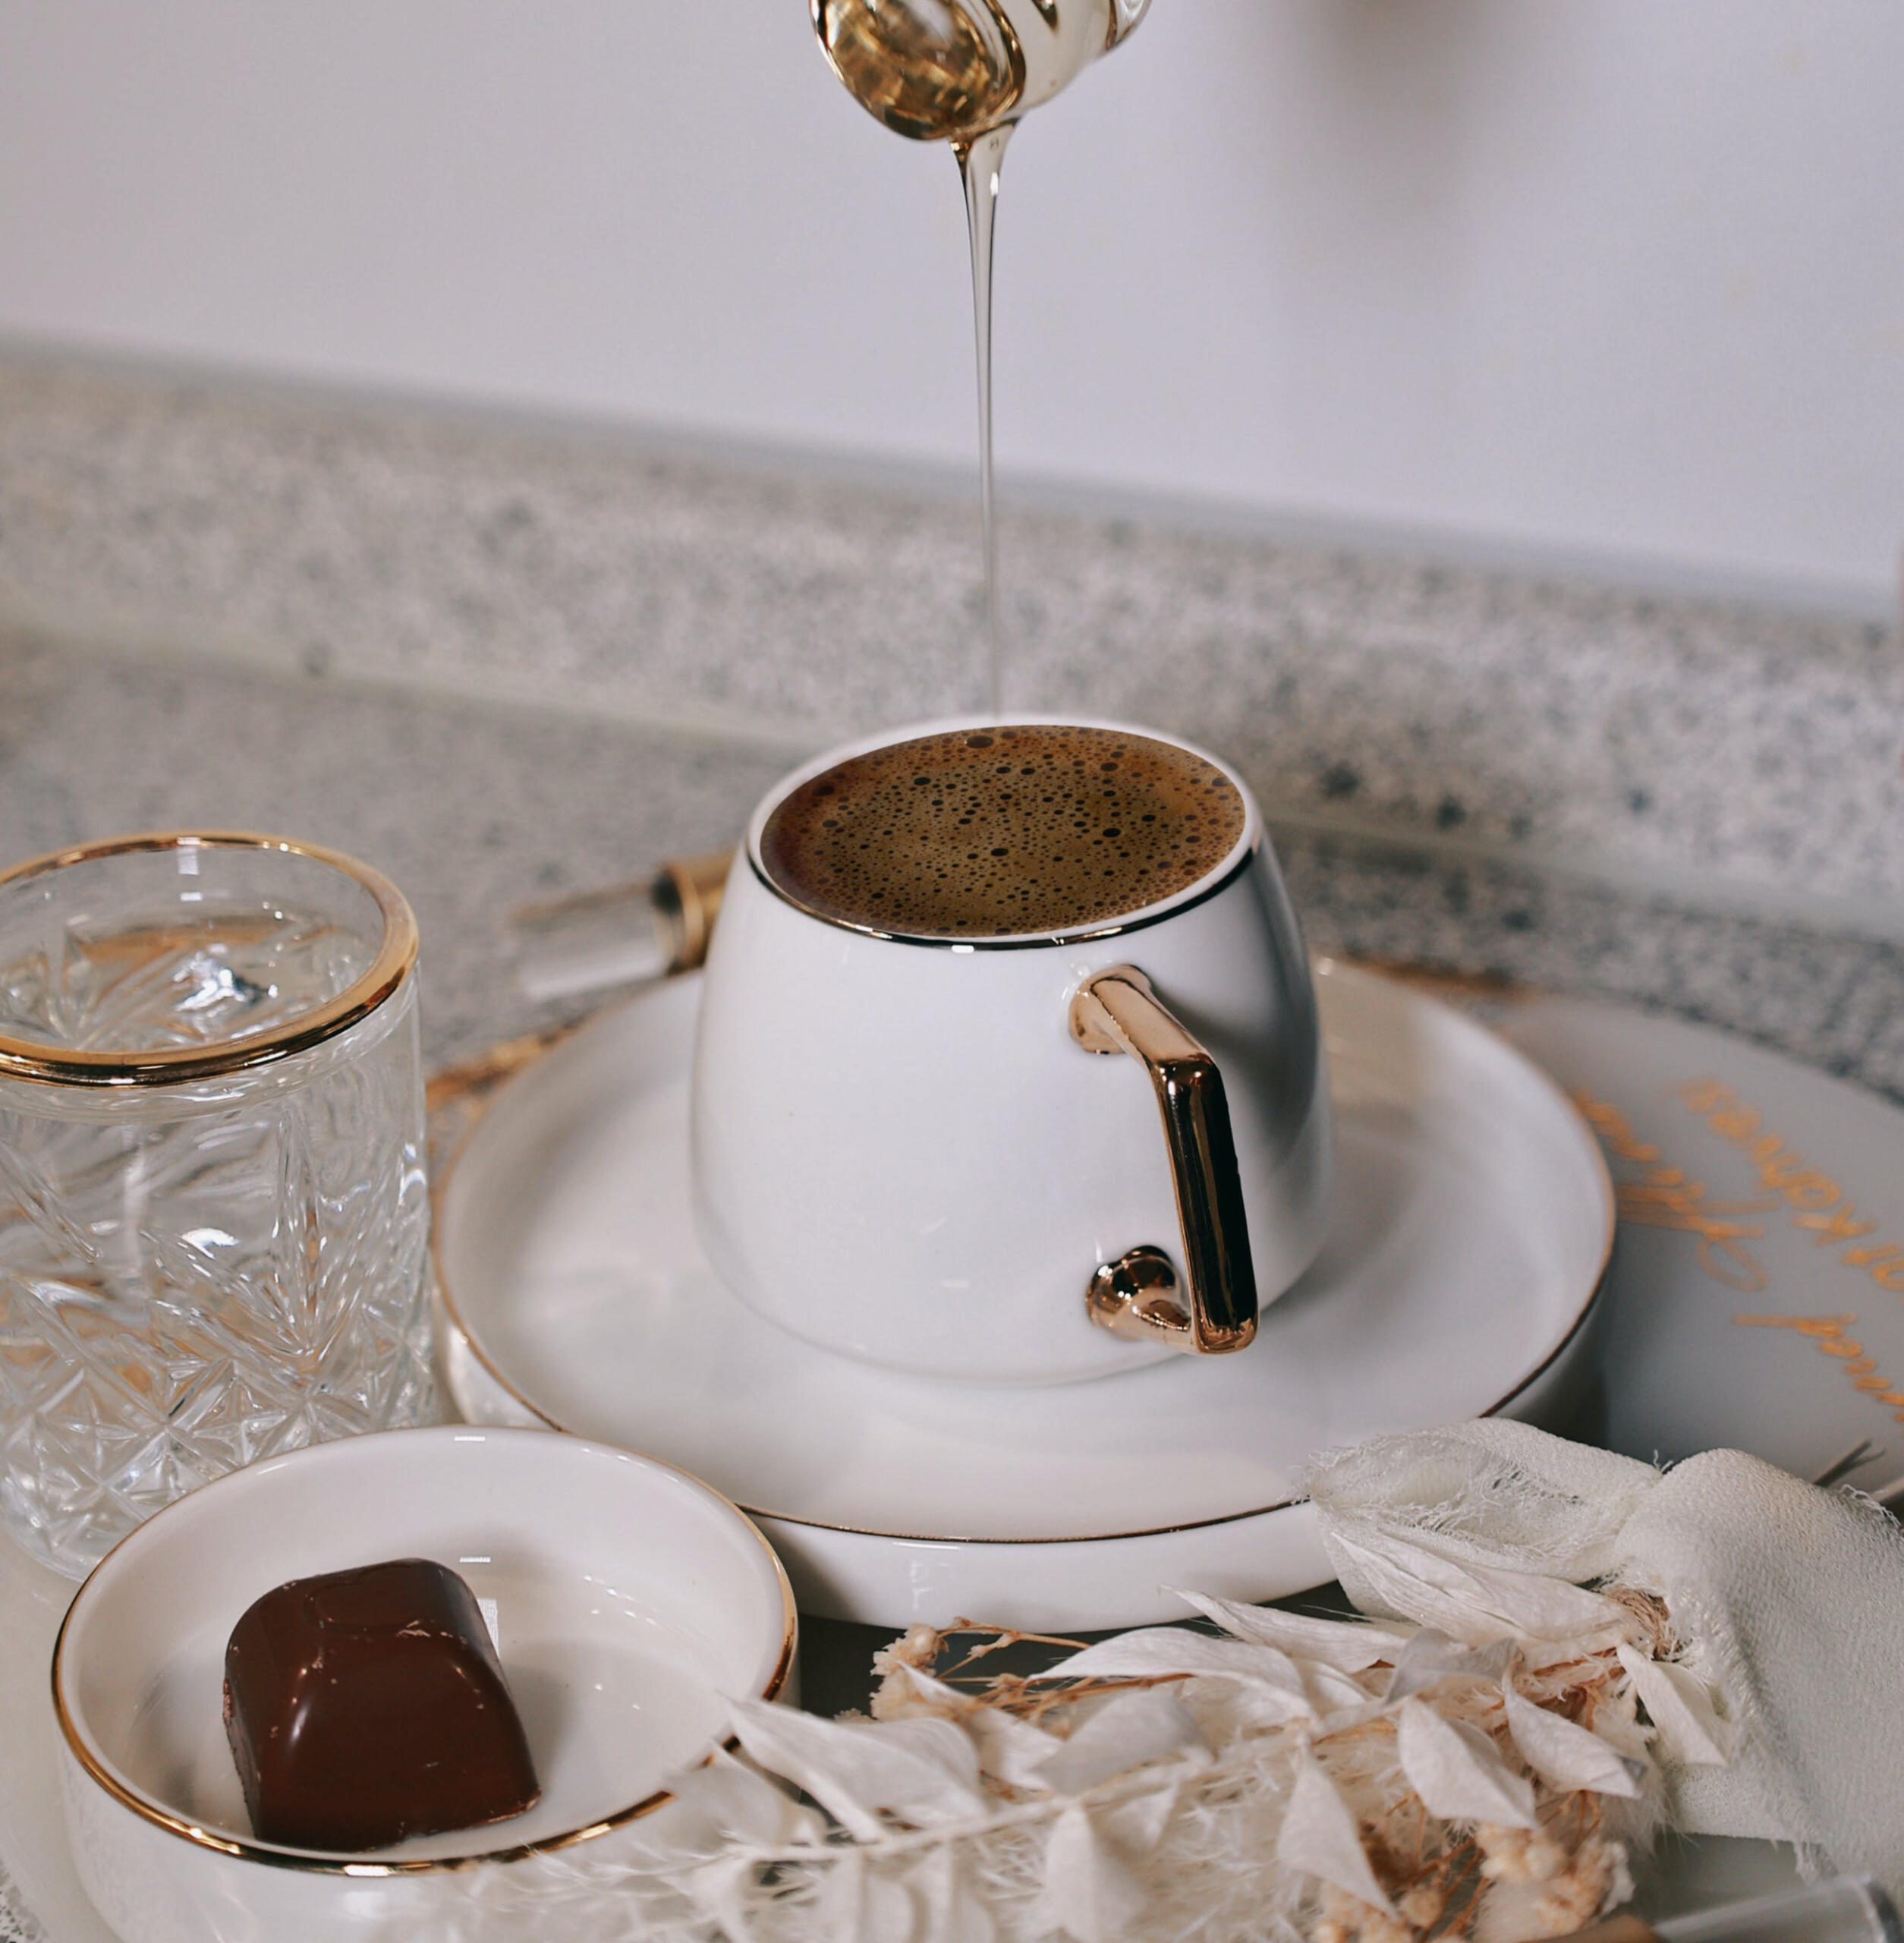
pixel 229 976
pixel 193 1277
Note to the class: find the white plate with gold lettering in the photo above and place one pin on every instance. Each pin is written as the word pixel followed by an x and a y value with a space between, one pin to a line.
pixel 1756 1298
pixel 1472 1225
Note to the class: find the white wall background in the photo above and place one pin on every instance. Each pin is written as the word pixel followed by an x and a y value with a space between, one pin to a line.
pixel 1622 277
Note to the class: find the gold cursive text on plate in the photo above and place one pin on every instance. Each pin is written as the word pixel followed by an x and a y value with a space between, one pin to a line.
pixel 1816 1202
pixel 1827 1335
pixel 1660 1196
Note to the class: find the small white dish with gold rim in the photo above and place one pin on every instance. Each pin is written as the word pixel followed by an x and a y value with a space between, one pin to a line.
pixel 1472 1225
pixel 629 1599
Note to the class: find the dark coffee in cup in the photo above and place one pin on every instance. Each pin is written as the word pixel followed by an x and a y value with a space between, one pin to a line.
pixel 1017 831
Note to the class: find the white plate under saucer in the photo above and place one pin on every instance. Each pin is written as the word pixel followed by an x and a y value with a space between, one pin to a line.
pixel 1472 1222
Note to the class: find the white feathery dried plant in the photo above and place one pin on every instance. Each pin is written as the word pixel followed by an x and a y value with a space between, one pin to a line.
pixel 1279 1777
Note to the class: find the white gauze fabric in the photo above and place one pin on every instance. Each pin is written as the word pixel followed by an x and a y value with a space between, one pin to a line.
pixel 1790 1600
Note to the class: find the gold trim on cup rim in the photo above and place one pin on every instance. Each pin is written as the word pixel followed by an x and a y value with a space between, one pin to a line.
pixel 396 958
pixel 1192 895
pixel 316 1862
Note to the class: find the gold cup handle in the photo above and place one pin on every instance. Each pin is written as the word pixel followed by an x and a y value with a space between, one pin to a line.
pixel 1136 1296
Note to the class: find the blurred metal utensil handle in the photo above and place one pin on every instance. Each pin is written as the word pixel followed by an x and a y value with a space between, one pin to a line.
pixel 626 934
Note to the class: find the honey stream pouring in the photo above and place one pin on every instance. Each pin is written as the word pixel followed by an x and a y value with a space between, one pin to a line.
pixel 967 72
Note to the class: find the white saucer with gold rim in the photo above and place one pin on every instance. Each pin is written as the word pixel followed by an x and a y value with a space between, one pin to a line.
pixel 630 1601
pixel 1470 1235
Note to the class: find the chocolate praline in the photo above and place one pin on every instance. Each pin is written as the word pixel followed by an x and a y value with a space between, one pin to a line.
pixel 368 1706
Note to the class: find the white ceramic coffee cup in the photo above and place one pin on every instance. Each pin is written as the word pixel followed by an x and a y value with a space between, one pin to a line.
pixel 905 1151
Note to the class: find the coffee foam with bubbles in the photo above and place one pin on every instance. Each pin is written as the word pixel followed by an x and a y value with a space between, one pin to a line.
pixel 1020 831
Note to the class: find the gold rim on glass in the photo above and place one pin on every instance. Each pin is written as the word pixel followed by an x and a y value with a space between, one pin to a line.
pixel 316 1862
pixel 396 958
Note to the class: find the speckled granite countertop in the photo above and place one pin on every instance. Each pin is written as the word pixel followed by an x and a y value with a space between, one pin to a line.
pixel 1720 753
pixel 504 659
pixel 475 808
